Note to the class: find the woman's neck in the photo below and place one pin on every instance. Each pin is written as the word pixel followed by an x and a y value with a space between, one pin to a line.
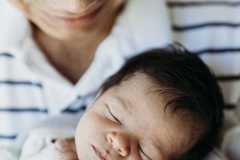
pixel 71 57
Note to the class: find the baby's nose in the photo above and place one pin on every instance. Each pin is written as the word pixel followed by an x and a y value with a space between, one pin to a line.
pixel 119 142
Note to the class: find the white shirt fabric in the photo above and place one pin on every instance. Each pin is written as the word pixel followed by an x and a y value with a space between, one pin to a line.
pixel 211 29
pixel 31 90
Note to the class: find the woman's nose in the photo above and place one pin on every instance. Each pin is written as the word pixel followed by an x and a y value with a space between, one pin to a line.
pixel 119 142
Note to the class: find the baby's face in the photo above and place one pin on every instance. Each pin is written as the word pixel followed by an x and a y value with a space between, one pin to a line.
pixel 128 121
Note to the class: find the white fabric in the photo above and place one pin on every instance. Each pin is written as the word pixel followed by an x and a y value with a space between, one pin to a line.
pixel 222 36
pixel 231 143
pixel 39 139
pixel 135 30
pixel 189 13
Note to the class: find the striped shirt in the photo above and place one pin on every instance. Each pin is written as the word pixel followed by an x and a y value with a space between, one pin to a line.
pixel 211 28
pixel 31 90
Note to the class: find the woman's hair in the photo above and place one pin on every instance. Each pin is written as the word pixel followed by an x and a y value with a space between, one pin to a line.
pixel 190 84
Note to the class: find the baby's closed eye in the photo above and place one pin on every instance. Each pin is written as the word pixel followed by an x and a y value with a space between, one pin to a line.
pixel 112 116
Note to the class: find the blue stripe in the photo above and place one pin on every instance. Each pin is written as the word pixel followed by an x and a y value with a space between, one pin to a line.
pixel 218 51
pixel 7 55
pixel 23 110
pixel 230 106
pixel 8 137
pixel 178 28
pixel 202 4
pixel 75 110
pixel 228 78
pixel 21 83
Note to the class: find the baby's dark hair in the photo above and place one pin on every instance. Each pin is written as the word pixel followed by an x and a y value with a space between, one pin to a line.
pixel 192 87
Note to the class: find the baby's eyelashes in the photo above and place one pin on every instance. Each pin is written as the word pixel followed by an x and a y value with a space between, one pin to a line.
pixel 143 155
pixel 112 116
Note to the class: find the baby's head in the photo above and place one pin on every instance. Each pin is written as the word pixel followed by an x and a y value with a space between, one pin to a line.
pixel 162 105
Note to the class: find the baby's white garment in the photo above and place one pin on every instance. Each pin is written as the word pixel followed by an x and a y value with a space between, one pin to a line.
pixel 40 143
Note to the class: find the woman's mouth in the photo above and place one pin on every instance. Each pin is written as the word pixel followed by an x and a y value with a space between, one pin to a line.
pixel 98 153
pixel 84 18
pixel 88 12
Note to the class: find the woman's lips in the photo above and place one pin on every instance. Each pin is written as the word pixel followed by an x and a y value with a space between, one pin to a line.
pixel 91 9
pixel 83 18
pixel 98 153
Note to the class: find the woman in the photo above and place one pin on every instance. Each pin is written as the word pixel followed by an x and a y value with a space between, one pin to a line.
pixel 54 54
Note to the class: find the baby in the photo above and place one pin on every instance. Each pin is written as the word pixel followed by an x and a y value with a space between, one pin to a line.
pixel 162 105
